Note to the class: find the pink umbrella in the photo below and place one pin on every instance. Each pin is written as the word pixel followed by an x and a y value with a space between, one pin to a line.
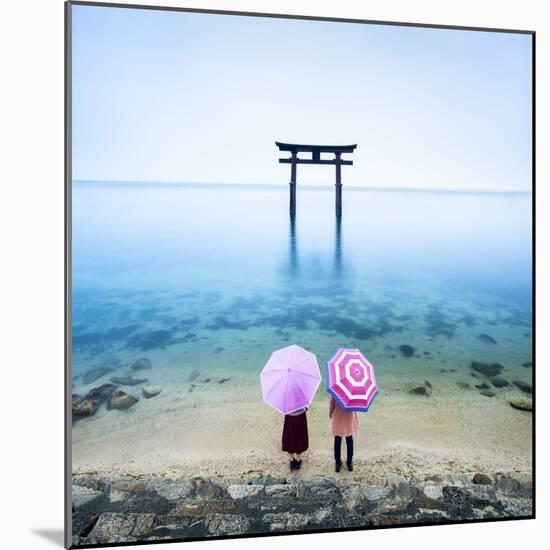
pixel 351 381
pixel 290 379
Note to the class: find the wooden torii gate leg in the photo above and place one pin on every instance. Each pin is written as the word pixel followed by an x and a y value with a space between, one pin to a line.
pixel 293 183
pixel 338 183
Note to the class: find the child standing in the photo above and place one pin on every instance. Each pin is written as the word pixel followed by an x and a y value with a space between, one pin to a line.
pixel 344 424
pixel 295 437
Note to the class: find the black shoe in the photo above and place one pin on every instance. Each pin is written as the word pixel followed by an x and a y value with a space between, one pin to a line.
pixel 338 466
pixel 298 464
pixel 293 464
pixel 350 467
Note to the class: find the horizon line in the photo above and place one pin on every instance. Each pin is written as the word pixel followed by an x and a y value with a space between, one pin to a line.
pixel 169 183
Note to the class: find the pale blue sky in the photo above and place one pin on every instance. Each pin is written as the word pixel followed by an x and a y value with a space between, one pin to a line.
pixel 174 96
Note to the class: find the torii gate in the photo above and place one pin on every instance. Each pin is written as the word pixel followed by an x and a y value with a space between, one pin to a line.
pixel 315 151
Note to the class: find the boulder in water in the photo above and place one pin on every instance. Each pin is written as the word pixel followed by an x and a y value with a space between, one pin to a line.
pixel 94 374
pixel 128 380
pixel 487 339
pixel 463 385
pixel 523 386
pixel 482 386
pixel 142 364
pixel 121 400
pixel 499 382
pixel 193 375
pixel 406 350
pixel 489 370
pixel 488 393
pixel 151 391
pixel 420 390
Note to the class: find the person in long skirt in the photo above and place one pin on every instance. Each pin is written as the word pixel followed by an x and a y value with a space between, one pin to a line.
pixel 295 437
pixel 344 424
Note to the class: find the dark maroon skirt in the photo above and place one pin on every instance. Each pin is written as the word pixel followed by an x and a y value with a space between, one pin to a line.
pixel 295 438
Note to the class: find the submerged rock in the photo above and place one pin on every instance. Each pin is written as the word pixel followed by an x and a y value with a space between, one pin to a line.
pixel 406 350
pixel 223 380
pixel 193 375
pixel 522 405
pixel 463 385
pixel 121 400
pixel 86 407
pixel 487 339
pixel 499 382
pixel 128 380
pixel 94 374
pixel 150 340
pixel 428 384
pixel 420 390
pixel 101 393
pixel 487 369
pixel 151 391
pixel 482 386
pixel 142 364
pixel 488 393
pixel 527 365
pixel 523 386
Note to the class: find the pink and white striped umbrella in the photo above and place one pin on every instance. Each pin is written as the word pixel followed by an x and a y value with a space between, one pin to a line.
pixel 351 380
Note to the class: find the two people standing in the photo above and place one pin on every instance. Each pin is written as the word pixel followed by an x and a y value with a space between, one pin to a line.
pixel 295 438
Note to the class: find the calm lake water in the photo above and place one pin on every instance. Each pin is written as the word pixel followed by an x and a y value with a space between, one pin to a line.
pixel 217 277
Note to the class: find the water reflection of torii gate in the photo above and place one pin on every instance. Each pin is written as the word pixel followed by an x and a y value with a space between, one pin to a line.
pixel 315 151
pixel 293 247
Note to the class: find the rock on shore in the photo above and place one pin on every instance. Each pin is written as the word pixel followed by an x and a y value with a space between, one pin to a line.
pixel 121 400
pixel 119 508
pixel 151 391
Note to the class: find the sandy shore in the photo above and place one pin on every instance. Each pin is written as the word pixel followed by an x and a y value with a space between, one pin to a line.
pixel 178 433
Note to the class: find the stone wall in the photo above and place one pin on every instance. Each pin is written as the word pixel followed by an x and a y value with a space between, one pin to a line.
pixel 108 509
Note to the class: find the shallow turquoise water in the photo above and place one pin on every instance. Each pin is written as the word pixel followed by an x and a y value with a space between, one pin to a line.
pixel 217 277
